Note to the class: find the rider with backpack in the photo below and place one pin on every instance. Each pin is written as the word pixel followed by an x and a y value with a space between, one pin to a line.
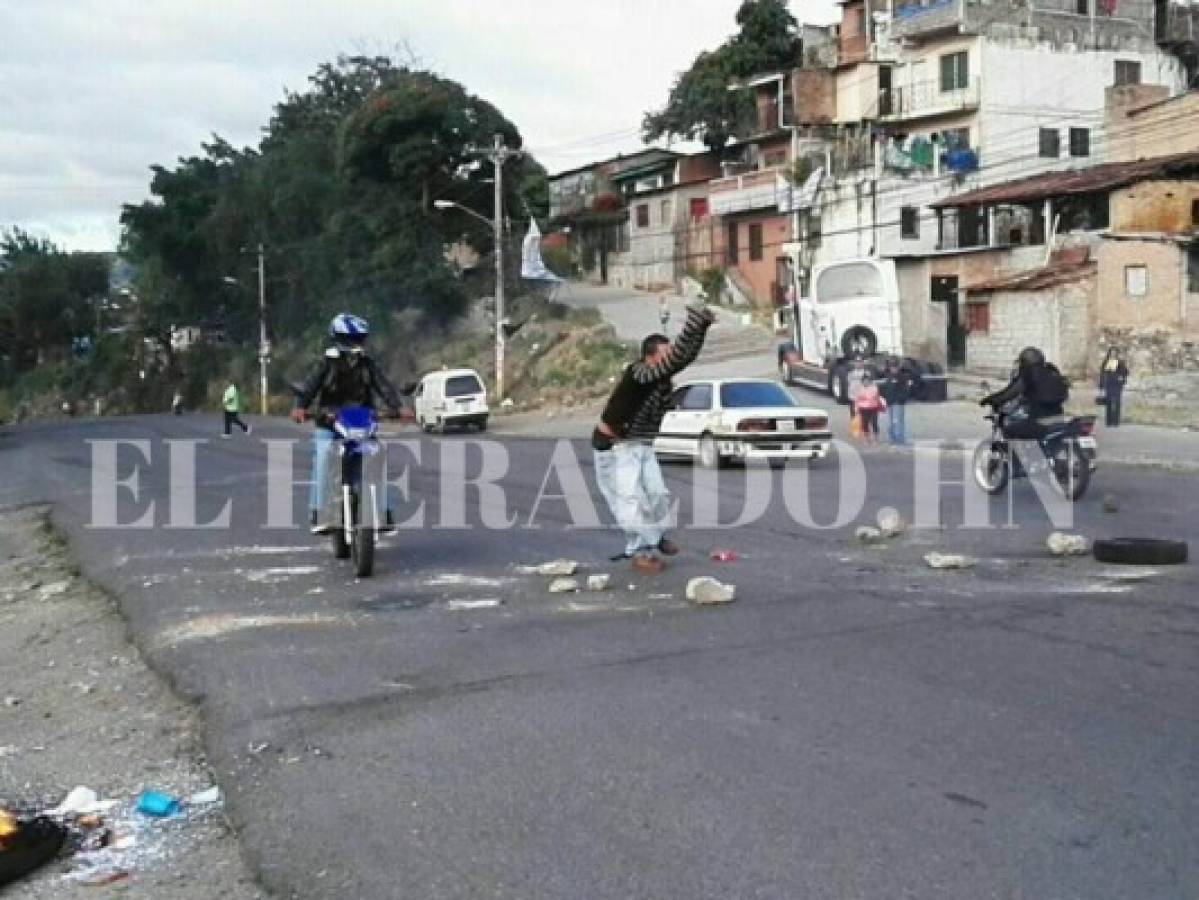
pixel 1041 389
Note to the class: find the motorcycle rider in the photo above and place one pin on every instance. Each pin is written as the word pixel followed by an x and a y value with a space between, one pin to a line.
pixel 345 376
pixel 1041 390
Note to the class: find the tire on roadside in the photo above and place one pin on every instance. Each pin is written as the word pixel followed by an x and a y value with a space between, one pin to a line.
pixel 1140 551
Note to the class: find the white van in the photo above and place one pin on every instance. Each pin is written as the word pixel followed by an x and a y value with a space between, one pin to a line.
pixel 450 398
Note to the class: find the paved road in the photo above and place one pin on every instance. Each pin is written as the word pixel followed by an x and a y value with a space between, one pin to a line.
pixel 856 725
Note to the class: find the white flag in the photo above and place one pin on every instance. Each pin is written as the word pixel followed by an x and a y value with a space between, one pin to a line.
pixel 531 264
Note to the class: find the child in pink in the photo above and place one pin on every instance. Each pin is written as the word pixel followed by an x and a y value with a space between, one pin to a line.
pixel 869 404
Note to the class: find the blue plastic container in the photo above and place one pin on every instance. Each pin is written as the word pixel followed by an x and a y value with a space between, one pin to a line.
pixel 160 806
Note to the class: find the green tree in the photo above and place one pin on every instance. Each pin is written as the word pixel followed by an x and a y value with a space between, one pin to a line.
pixel 700 106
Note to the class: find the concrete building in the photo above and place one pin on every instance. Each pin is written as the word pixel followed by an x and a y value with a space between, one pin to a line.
pixel 1130 266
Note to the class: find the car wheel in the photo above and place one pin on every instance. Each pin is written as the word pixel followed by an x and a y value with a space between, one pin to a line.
pixel 709 453
pixel 838 385
pixel 859 341
pixel 1140 551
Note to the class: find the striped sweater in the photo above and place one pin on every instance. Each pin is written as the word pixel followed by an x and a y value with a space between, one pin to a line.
pixel 642 397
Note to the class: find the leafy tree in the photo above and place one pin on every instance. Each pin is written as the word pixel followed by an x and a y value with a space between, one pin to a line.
pixel 700 106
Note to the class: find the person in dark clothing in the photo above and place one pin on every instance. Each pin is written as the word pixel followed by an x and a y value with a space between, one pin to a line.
pixel 1041 390
pixel 626 468
pixel 900 386
pixel 345 376
pixel 1112 376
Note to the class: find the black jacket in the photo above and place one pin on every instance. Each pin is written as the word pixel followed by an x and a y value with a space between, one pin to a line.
pixel 900 386
pixel 1024 387
pixel 642 396
pixel 334 383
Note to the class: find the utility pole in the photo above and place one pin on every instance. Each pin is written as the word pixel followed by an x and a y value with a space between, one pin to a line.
pixel 498 155
pixel 264 348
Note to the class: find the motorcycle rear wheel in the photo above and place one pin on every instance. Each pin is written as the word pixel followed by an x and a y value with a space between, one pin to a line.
pixel 1072 475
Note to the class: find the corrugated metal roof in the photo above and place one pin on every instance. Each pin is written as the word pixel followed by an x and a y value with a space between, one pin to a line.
pixel 1106 177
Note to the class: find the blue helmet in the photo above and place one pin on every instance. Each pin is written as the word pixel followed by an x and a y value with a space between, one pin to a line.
pixel 349 331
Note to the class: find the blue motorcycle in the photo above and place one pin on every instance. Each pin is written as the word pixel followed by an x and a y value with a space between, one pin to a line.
pixel 360 476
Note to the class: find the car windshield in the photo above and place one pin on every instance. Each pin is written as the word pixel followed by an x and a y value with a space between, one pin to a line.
pixel 742 394
pixel 461 385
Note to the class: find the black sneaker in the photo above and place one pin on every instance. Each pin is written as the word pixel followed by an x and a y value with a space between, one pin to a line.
pixel 389 525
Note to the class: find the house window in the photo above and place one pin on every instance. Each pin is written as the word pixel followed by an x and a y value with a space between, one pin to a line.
pixel 955 71
pixel 699 207
pixel 774 158
pixel 1050 143
pixel 1080 142
pixel 1193 270
pixel 643 215
pixel 1128 71
pixel 978 318
pixel 909 222
pixel 730 244
pixel 665 211
pixel 1136 281
pixel 755 241
pixel 1195 215
pixel 1083 7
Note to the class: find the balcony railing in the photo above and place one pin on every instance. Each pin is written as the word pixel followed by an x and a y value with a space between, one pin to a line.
pixel 925 99
pixel 741 193
pixel 915 19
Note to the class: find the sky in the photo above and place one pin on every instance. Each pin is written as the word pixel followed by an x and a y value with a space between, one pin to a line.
pixel 94 92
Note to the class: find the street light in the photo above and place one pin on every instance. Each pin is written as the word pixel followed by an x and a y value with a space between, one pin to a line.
pixel 264 347
pixel 498 233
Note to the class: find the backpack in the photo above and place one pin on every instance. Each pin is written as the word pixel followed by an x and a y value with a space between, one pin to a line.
pixel 1050 387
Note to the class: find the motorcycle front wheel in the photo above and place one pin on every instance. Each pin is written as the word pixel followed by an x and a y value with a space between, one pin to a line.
pixel 362 544
pixel 992 466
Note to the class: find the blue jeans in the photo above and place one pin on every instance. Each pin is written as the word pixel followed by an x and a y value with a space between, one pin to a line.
pixel 631 481
pixel 897 424
pixel 322 443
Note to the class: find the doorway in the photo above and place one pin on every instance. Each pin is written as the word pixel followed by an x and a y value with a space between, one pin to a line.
pixel 944 289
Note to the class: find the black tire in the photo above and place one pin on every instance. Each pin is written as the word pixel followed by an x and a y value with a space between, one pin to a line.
pixel 838 384
pixel 1140 551
pixel 859 341
pixel 363 550
pixel 992 469
pixel 482 426
pixel 1072 484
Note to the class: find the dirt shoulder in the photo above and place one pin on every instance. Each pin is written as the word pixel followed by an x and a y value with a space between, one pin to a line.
pixel 78 706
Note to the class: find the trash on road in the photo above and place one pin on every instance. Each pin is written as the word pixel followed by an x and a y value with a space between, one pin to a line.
pixel 564 585
pixel 27 845
pixel 722 555
pixel 706 591
pixel 12 702
pixel 598 582
pixel 949 561
pixel 203 798
pixel 558 568
pixel 157 805
pixel 1061 544
pixel 1110 504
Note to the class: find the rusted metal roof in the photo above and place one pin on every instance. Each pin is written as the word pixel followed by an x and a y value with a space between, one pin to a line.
pixel 1066 265
pixel 1106 177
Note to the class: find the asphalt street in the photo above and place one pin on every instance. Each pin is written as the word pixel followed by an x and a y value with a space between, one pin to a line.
pixel 856 725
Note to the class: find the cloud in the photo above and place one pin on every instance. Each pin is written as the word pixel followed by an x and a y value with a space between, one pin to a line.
pixel 97 91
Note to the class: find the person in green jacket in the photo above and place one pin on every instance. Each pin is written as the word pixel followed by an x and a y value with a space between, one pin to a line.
pixel 232 404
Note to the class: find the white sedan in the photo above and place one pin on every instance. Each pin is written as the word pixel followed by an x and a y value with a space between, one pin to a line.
pixel 716 420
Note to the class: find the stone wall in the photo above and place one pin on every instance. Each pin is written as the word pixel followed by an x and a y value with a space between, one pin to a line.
pixel 1055 319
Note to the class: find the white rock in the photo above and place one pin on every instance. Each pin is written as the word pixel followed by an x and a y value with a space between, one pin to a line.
pixel 706 590
pixel 949 561
pixel 890 522
pixel 559 568
pixel 12 701
pixel 564 585
pixel 1061 544
pixel 598 582
pixel 55 589
pixel 868 534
